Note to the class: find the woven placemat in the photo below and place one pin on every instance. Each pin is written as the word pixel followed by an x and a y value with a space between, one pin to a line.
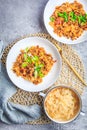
pixel 67 77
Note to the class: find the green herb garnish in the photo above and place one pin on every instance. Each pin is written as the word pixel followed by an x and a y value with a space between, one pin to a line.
pixel 82 19
pixel 52 19
pixel 86 16
pixel 63 15
pixel 29 59
pixel 41 65
pixel 41 74
pixel 25 56
pixel 73 16
pixel 60 14
pixel 37 68
pixel 24 64
pixel 35 59
pixel 37 71
pixel 26 49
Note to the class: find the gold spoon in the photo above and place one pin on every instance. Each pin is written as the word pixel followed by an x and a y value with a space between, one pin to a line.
pixel 76 73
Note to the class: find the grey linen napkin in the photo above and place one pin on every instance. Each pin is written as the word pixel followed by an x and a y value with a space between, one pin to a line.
pixel 10 112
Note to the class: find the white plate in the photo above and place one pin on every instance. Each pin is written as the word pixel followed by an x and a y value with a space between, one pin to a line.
pixel 47 80
pixel 49 9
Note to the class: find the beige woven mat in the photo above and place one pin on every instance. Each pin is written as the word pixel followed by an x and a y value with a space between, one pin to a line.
pixel 67 77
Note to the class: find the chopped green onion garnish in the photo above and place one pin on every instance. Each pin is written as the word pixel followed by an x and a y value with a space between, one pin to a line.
pixel 37 68
pixel 86 16
pixel 60 14
pixel 41 65
pixel 35 59
pixel 24 64
pixel 81 19
pixel 52 19
pixel 64 15
pixel 73 16
pixel 35 73
pixel 41 74
pixel 29 60
pixel 26 49
pixel 25 56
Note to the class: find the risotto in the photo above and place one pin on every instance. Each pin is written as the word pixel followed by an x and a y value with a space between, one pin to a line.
pixel 33 64
pixel 69 20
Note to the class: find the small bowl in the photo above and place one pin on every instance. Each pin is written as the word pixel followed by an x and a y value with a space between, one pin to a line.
pixel 78 97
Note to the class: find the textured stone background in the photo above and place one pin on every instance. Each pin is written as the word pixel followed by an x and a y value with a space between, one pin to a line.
pixel 21 17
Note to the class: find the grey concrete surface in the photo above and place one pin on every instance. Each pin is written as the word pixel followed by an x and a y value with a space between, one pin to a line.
pixel 21 17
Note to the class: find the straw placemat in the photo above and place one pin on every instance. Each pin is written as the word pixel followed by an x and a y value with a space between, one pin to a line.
pixel 67 77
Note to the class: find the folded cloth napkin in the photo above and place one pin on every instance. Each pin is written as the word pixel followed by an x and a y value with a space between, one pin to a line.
pixel 10 112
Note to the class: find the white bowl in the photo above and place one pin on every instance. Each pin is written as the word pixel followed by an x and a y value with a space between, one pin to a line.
pixel 47 80
pixel 49 9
